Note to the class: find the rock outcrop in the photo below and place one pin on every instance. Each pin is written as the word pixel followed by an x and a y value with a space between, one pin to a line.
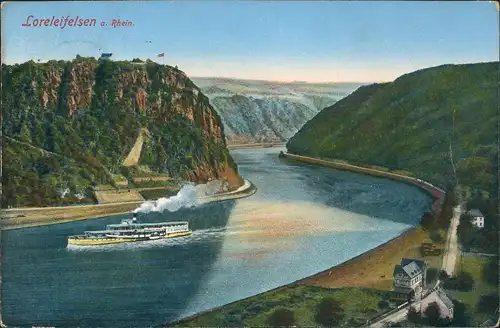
pixel 96 108
pixel 265 111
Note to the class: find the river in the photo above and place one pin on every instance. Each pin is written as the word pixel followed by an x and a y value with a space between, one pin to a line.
pixel 303 219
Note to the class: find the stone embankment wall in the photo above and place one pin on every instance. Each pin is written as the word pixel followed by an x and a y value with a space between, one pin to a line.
pixel 437 193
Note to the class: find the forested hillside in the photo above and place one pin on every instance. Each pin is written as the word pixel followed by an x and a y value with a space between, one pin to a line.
pixel 68 126
pixel 410 123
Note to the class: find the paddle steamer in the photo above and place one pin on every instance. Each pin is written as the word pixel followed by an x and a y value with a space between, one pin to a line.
pixel 129 230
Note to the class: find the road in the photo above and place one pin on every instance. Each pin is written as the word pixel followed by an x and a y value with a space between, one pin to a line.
pixel 400 315
pixel 449 263
pixel 451 248
pixel 395 317
pixel 28 217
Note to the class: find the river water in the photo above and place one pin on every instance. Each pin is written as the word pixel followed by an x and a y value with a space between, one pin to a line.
pixel 303 219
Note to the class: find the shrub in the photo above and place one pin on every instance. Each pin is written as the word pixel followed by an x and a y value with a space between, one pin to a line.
pixel 460 316
pixel 427 221
pixel 490 271
pixel 432 313
pixel 329 312
pixel 281 318
pixel 443 275
pixel 383 305
pixel 465 282
pixel 432 274
pixel 488 303
pixel 413 315
pixel 436 236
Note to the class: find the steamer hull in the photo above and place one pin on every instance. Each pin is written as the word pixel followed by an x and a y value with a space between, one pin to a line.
pixel 130 231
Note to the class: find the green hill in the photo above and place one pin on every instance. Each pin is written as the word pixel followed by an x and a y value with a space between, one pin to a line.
pixel 69 125
pixel 409 124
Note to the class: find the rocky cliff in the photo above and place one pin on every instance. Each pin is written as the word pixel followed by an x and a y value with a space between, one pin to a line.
pixel 92 111
pixel 266 111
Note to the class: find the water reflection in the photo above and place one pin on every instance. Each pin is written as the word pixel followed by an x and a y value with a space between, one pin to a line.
pixel 302 220
pixel 134 284
pixel 356 193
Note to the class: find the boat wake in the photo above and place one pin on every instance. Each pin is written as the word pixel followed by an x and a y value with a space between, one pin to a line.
pixel 198 236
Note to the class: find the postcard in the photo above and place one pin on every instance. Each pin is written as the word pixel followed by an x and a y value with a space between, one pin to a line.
pixel 249 164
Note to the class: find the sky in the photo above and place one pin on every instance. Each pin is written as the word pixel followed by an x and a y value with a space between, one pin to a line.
pixel 316 41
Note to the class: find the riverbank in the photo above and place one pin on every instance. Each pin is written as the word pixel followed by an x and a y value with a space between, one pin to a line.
pixel 256 145
pixel 437 193
pixel 371 270
pixel 374 268
pixel 17 218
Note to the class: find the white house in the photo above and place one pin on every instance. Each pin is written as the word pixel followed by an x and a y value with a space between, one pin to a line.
pixel 409 279
pixel 477 218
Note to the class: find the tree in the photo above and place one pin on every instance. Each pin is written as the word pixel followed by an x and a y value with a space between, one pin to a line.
pixel 460 315
pixel 383 304
pixel 465 230
pixel 281 318
pixel 487 303
pixel 25 134
pixel 432 313
pixel 436 236
pixel 465 282
pixel 443 275
pixel 432 274
pixel 427 221
pixel 413 315
pixel 490 271
pixel 39 134
pixel 329 312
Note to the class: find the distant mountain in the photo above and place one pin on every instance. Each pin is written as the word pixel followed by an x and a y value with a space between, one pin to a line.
pixel 263 111
pixel 410 123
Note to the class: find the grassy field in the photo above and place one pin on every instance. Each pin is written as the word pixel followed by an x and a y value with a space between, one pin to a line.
pixel 117 196
pixel 475 266
pixel 153 194
pixel 358 304
pixel 374 268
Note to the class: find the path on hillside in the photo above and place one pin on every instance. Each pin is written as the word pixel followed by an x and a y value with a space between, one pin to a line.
pixel 451 248
pixel 135 153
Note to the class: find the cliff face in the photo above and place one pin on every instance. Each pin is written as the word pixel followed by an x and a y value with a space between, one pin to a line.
pixel 261 120
pixel 171 92
pixel 266 111
pixel 412 123
pixel 96 109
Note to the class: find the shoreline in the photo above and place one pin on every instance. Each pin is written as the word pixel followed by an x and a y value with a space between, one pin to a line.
pixel 353 272
pixel 353 264
pixel 257 145
pixel 435 192
pixel 64 214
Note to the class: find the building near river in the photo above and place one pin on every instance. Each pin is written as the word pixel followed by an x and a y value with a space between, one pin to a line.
pixel 409 279
pixel 477 218
pixel 442 300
